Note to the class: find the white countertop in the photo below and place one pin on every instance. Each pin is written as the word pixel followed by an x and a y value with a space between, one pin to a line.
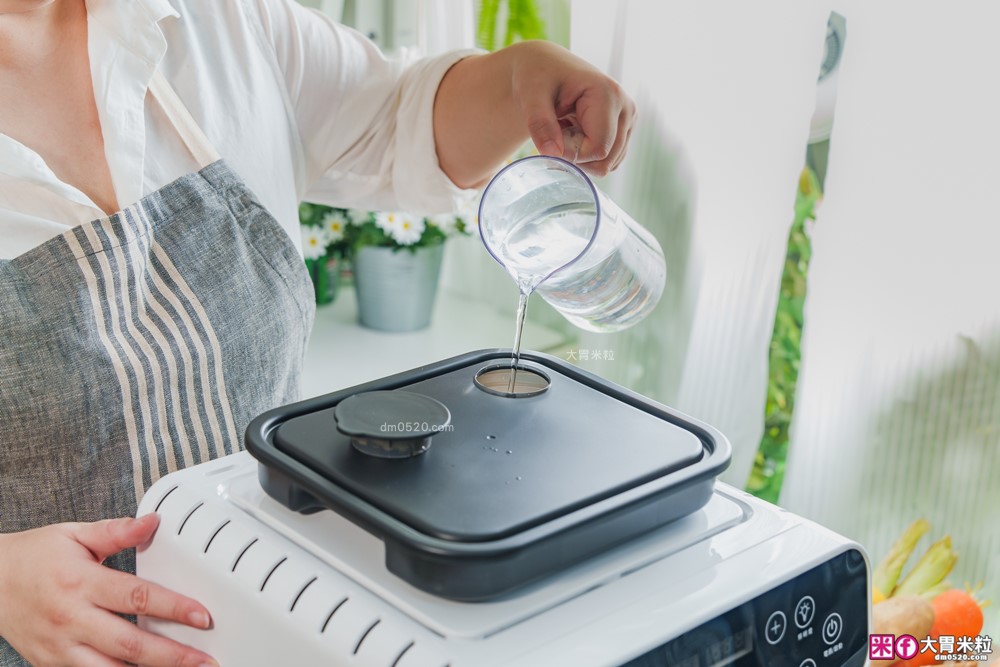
pixel 342 353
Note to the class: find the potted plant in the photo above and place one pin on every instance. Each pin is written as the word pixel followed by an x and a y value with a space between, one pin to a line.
pixel 325 246
pixel 396 259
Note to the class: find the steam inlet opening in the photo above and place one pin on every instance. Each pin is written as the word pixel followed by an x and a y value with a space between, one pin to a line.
pixel 527 382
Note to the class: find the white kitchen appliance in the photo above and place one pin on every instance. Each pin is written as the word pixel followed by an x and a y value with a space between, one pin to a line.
pixel 430 519
pixel 738 582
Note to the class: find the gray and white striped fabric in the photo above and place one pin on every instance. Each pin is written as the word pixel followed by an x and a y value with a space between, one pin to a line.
pixel 142 343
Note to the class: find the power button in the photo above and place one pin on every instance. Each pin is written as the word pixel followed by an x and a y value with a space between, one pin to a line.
pixel 832 627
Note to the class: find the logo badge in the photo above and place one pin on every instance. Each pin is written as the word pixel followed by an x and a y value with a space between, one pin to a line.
pixel 906 647
pixel 881 647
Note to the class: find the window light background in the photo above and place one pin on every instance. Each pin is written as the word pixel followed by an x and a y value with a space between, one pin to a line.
pixel 898 402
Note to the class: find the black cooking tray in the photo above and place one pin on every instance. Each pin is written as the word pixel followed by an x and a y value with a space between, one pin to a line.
pixel 513 490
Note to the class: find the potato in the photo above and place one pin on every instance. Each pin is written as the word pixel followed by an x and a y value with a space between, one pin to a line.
pixel 904 615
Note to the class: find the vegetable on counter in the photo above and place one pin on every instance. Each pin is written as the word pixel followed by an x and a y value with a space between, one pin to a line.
pixel 887 573
pixel 902 615
pixel 930 570
pixel 957 613
pixel 923 603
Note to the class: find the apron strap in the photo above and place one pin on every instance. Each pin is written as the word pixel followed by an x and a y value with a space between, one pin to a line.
pixel 190 133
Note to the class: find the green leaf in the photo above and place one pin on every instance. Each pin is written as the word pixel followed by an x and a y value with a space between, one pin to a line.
pixel 486 27
pixel 784 350
pixel 523 22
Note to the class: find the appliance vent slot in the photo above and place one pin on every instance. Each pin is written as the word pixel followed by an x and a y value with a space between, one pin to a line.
pixel 395 663
pixel 276 566
pixel 361 641
pixel 157 508
pixel 217 531
pixel 363 633
pixel 330 617
pixel 303 590
pixel 188 516
pixel 237 561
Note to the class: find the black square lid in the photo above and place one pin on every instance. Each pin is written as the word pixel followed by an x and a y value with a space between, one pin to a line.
pixel 505 464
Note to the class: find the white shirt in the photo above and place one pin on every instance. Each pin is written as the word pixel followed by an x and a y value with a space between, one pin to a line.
pixel 300 107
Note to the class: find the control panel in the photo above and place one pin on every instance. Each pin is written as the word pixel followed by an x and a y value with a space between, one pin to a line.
pixel 817 619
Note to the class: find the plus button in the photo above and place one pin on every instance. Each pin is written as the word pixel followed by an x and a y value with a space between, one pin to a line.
pixel 774 629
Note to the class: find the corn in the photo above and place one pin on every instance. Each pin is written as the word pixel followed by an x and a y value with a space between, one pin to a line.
pixel 930 570
pixel 887 573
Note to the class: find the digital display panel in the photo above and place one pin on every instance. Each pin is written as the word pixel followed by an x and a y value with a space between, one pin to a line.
pixel 818 619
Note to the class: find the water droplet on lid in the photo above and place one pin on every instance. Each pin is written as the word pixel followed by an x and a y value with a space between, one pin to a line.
pixel 510 451
pixel 519 478
pixel 491 437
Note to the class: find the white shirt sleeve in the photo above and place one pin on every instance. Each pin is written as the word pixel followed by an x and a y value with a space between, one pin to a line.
pixel 365 122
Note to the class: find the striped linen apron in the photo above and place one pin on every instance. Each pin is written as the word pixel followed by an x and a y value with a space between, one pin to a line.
pixel 138 344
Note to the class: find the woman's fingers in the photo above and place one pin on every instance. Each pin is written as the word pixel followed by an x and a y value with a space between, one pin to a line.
pixel 106 538
pixel 127 594
pixel 543 126
pixel 554 84
pixel 601 162
pixel 58 603
pixel 598 113
pixel 117 638
pixel 621 158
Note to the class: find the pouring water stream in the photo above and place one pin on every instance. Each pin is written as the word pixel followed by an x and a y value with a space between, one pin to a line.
pixel 527 283
pixel 522 306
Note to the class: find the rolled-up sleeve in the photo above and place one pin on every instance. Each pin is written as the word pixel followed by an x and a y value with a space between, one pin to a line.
pixel 365 122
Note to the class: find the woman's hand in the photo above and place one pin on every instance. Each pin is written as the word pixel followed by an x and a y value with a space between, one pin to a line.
pixel 570 108
pixel 58 601
pixel 486 106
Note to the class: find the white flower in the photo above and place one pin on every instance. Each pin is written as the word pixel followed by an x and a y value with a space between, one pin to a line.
pixel 387 221
pixel 407 230
pixel 313 242
pixel 334 223
pixel 358 216
pixel 446 222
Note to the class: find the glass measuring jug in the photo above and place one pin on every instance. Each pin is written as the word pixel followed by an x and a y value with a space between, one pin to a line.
pixel 556 234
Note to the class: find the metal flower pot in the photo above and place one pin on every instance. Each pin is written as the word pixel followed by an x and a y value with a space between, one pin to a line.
pixel 396 288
